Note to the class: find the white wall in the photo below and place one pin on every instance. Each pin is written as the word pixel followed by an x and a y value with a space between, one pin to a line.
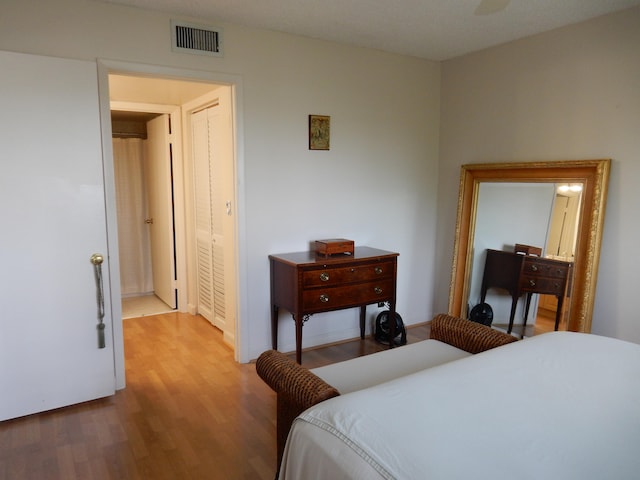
pixel 377 184
pixel 572 93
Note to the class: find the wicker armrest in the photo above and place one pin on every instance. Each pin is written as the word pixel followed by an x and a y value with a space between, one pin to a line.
pixel 285 376
pixel 297 389
pixel 467 335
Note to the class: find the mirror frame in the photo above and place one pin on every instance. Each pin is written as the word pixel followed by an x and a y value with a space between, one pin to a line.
pixel 593 174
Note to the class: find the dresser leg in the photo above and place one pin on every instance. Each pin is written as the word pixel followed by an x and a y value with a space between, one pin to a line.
pixel 559 311
pixel 363 315
pixel 298 320
pixel 274 326
pixel 514 304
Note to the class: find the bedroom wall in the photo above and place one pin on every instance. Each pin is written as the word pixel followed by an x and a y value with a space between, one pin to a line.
pixel 377 184
pixel 571 93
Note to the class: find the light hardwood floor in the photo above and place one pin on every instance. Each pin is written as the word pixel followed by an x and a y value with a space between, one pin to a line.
pixel 189 412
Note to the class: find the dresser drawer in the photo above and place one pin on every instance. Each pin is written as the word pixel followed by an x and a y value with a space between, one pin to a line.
pixel 331 298
pixel 341 275
pixel 544 285
pixel 545 268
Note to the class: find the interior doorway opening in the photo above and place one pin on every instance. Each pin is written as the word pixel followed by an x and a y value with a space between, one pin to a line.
pixel 144 100
pixel 145 202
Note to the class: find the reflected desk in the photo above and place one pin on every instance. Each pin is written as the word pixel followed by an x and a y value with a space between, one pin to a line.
pixel 519 274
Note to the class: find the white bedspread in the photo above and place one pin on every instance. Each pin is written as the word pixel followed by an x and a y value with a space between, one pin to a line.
pixel 556 406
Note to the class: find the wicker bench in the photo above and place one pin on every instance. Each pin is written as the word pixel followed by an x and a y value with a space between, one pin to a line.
pixel 299 388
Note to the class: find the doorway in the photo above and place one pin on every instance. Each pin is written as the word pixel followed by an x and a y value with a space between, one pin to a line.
pixel 143 168
pixel 144 96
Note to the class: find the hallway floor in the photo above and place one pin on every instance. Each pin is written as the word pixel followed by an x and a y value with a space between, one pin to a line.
pixel 133 307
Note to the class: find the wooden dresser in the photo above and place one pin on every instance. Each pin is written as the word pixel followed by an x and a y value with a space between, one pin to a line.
pixel 519 274
pixel 305 283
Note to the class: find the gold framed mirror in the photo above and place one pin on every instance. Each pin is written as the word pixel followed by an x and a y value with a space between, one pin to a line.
pixel 594 177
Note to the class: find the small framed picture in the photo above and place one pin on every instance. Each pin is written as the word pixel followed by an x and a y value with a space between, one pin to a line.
pixel 319 132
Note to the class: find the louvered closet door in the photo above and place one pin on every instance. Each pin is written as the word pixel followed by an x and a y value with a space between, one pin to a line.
pixel 213 163
pixel 216 180
pixel 204 244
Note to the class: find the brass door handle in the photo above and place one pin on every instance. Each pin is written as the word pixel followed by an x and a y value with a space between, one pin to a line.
pixel 97 259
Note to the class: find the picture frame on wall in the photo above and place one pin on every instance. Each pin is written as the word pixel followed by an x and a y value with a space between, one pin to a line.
pixel 319 132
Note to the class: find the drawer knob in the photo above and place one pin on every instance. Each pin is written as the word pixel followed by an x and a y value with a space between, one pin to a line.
pixel 377 290
pixel 324 298
pixel 532 283
pixel 378 270
pixel 324 276
pixel 534 268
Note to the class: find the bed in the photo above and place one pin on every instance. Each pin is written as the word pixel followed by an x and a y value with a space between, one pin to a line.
pixel 560 405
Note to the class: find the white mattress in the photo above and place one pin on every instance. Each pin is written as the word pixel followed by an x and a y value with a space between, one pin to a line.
pixel 556 406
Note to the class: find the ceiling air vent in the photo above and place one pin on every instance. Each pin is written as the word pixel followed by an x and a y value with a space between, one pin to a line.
pixel 197 39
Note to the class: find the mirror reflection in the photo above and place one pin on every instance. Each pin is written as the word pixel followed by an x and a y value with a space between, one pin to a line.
pixel 543 216
pixel 536 228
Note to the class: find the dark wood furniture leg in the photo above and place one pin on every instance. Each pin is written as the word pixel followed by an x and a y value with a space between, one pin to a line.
pixel 298 319
pixel 274 326
pixel 559 311
pixel 514 304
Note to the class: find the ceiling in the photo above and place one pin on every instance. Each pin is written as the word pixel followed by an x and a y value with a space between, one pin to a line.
pixel 430 29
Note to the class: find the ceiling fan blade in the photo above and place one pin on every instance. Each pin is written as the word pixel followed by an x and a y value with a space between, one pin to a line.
pixel 487 7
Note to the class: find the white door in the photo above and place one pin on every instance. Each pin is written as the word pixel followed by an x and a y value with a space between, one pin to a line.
pixel 212 136
pixel 202 194
pixel 160 203
pixel 52 208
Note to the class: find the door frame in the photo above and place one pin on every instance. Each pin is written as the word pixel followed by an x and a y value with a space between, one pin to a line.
pixel 106 67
